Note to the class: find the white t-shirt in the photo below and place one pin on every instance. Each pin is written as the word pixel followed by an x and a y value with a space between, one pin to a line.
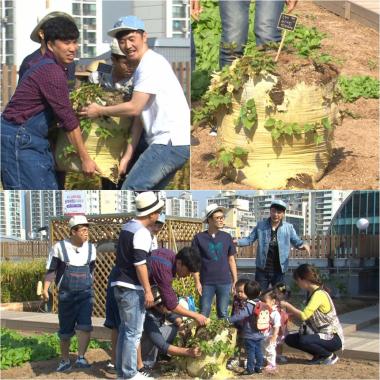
pixel 275 319
pixel 77 255
pixel 166 116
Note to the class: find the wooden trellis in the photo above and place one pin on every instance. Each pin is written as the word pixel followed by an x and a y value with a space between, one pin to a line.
pixel 176 233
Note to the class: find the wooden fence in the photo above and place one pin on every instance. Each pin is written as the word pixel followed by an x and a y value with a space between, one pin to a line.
pixel 9 80
pixel 28 250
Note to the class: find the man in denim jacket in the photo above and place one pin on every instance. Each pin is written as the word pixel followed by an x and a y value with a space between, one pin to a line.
pixel 274 239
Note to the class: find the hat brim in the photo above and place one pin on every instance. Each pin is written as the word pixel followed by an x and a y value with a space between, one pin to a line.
pixel 34 35
pixel 113 32
pixel 154 208
pixel 221 208
pixel 275 205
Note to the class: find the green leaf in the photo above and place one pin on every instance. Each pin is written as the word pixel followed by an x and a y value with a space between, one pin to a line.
pixel 318 139
pixel 296 129
pixel 276 134
pixel 239 151
pixel 309 127
pixel 326 123
pixel 238 163
pixel 270 123
pixel 226 158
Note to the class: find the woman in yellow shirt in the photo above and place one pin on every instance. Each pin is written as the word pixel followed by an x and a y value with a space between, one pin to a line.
pixel 323 335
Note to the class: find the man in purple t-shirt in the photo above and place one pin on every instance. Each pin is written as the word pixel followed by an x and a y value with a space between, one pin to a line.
pixel 218 272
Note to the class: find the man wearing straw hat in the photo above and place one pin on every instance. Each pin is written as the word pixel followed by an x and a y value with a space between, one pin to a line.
pixel 27 160
pixel 131 282
pixel 72 262
pixel 158 97
pixel 38 36
pixel 218 273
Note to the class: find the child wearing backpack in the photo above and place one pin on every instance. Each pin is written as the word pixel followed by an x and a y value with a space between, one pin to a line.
pixel 239 303
pixel 255 318
pixel 271 298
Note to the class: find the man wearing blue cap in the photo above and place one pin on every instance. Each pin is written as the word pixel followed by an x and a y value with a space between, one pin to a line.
pixel 159 99
pixel 274 238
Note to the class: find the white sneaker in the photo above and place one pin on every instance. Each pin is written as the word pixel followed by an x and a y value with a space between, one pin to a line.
pixel 141 376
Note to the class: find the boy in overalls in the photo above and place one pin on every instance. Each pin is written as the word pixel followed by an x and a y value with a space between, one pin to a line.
pixel 72 263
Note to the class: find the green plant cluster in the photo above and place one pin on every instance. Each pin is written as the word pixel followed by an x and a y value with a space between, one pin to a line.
pixel 248 115
pixel 185 287
pixel 18 280
pixel 17 349
pixel 228 82
pixel 280 129
pixel 236 158
pixel 355 87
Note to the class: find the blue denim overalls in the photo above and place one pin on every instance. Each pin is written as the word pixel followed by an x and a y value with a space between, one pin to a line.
pixel 27 162
pixel 75 278
pixel 75 297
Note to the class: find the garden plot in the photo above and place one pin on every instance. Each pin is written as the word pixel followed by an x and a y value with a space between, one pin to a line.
pixel 353 157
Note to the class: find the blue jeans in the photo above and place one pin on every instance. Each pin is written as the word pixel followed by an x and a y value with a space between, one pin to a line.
pixel 235 24
pixel 313 344
pixel 27 162
pixel 74 312
pixel 255 359
pixel 265 278
pixel 132 314
pixel 156 166
pixel 222 293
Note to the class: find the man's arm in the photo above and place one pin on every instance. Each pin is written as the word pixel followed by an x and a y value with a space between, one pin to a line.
pixel 88 165
pixel 142 275
pixel 132 108
pixel 233 269
pixel 201 319
pixel 136 132
pixel 297 242
pixel 248 240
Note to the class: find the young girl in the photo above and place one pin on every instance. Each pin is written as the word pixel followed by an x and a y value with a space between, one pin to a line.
pixel 271 298
pixel 283 294
pixel 326 334
pixel 239 303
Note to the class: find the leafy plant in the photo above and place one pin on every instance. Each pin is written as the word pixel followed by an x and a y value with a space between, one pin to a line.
pixel 19 280
pixel 280 129
pixel 236 158
pixel 248 115
pixel 355 87
pixel 17 349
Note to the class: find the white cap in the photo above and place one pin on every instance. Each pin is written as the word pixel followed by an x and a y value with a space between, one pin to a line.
pixel 115 48
pixel 210 209
pixel 147 203
pixel 77 220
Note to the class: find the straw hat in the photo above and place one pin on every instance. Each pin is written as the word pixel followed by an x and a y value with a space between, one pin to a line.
pixel 34 35
pixel 210 209
pixel 90 68
pixel 147 203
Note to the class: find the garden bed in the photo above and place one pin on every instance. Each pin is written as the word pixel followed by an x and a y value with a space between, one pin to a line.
pixel 354 160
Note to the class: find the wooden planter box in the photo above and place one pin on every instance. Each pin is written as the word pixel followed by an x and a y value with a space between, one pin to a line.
pixel 367 13
pixel 21 306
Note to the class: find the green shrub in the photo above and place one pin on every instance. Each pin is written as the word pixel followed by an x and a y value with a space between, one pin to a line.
pixel 17 349
pixel 19 280
pixel 355 87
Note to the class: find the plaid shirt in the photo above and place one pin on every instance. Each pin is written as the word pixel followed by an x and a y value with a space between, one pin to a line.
pixel 45 87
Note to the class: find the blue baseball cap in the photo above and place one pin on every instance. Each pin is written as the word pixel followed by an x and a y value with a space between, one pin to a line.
pixel 278 203
pixel 126 23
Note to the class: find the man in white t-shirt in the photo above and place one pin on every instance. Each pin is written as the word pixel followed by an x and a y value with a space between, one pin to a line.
pixel 159 99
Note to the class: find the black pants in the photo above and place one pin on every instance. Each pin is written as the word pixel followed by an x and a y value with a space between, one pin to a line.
pixel 313 344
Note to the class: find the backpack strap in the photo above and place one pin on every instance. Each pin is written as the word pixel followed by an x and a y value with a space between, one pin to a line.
pixel 64 252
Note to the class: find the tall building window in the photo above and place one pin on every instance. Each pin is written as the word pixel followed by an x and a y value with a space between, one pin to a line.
pixel 178 20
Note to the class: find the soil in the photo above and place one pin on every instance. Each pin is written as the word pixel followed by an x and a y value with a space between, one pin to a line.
pixel 294 369
pixel 355 158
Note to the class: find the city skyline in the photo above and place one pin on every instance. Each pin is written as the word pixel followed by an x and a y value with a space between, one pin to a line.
pixel 23 213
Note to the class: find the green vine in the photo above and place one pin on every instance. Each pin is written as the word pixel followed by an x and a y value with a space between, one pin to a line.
pixel 236 158
pixel 280 129
pixel 248 115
